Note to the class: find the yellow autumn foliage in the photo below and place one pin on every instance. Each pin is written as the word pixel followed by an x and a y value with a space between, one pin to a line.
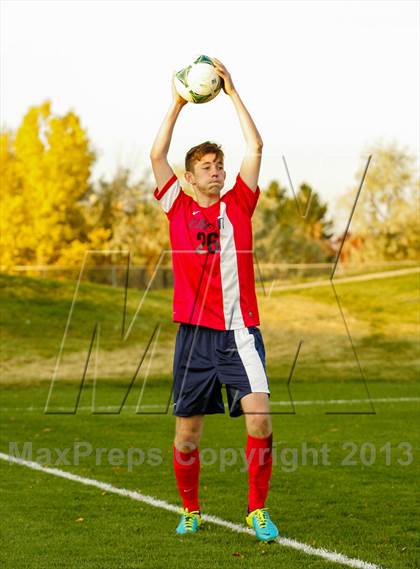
pixel 45 171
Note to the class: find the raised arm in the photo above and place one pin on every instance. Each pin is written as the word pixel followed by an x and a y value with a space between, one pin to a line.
pixel 159 151
pixel 250 167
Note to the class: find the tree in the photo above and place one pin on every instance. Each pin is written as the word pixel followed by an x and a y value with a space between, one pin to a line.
pixel 15 211
pixel 127 211
pixel 45 172
pixel 387 217
pixel 283 233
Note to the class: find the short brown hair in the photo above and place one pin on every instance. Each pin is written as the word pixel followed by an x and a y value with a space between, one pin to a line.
pixel 196 153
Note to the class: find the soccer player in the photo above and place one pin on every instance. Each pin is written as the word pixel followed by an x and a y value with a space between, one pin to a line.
pixel 218 341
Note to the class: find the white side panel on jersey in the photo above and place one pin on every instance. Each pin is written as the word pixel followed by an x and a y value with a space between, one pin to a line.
pixel 169 197
pixel 229 274
pixel 245 342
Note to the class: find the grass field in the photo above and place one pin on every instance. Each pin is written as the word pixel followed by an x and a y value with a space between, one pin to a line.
pixel 345 469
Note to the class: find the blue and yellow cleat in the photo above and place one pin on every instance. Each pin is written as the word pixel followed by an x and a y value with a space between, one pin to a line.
pixel 260 521
pixel 190 522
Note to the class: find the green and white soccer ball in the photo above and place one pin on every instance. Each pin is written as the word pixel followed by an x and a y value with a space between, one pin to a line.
pixel 199 82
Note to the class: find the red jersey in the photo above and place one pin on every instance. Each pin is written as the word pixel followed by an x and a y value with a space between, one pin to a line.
pixel 212 256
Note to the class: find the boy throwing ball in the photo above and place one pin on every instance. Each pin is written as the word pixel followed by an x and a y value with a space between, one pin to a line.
pixel 218 341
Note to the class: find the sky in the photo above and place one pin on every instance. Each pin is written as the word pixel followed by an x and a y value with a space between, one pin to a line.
pixel 322 80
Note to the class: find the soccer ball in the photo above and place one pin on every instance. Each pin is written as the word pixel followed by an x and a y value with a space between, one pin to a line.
pixel 199 82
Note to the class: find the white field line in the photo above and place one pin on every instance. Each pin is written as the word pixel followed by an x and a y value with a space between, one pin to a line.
pixel 151 501
pixel 345 401
pixel 275 403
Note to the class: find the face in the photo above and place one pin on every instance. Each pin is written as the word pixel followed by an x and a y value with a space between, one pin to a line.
pixel 208 176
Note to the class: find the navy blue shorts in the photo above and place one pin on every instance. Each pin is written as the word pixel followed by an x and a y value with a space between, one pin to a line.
pixel 205 359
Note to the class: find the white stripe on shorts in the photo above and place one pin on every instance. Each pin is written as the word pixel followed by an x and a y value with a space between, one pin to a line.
pixel 245 342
